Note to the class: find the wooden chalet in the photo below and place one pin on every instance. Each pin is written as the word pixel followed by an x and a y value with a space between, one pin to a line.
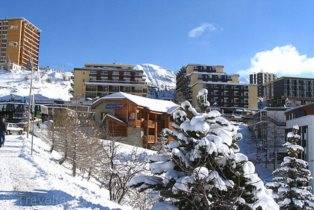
pixel 135 119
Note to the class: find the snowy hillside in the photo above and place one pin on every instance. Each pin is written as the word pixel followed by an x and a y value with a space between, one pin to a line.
pixel 49 84
pixel 157 76
pixel 38 182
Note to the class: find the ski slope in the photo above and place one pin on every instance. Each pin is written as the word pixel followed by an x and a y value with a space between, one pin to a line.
pixel 158 77
pixel 38 182
pixel 48 84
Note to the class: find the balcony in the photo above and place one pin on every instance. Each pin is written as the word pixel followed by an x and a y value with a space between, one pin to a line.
pixel 116 81
pixel 149 123
pixel 135 123
pixel 150 139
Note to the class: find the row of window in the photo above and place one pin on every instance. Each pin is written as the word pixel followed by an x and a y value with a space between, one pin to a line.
pixel 204 68
pixel 114 88
pixel 300 82
pixel 115 72
pixel 214 78
pixel 227 87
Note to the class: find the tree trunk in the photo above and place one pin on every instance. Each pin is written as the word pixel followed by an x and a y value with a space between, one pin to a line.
pixel 53 141
pixel 74 164
pixel 65 156
pixel 89 173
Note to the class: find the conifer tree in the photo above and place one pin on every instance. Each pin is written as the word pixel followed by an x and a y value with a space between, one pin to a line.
pixel 201 168
pixel 290 184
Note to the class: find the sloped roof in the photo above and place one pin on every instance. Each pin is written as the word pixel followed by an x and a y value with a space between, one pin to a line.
pixel 115 118
pixel 149 103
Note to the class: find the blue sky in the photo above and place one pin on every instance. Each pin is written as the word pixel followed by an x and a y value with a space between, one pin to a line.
pixel 170 33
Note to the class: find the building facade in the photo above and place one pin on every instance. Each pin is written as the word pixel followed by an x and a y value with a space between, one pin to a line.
pixel 293 90
pixel 223 90
pixel 260 79
pixel 134 119
pixel 98 80
pixel 303 116
pixel 268 131
pixel 19 43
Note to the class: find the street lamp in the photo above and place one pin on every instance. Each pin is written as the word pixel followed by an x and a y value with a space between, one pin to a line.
pixel 31 104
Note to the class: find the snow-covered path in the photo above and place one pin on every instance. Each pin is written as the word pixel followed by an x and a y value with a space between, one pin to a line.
pixel 17 176
pixel 248 147
pixel 37 182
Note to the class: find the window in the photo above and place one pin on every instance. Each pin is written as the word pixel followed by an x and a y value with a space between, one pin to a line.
pixel 121 75
pixel 90 88
pixel 132 76
pixel 13 44
pixel 110 75
pixel 12 27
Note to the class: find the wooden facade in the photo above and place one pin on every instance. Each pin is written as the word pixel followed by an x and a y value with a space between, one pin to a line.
pixel 124 118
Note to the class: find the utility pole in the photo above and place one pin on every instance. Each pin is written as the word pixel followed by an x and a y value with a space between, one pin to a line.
pixel 31 104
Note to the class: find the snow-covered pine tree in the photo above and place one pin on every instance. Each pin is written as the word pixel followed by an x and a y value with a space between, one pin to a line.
pixel 290 184
pixel 202 167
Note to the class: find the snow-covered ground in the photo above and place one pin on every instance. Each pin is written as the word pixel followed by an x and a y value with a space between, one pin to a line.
pixel 248 147
pixel 38 182
pixel 158 77
pixel 48 84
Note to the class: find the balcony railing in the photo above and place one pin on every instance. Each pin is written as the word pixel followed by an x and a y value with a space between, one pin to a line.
pixel 149 123
pixel 150 139
pixel 135 123
pixel 118 81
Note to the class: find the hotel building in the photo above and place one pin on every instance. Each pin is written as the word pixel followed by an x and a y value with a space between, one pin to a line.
pixel 224 90
pixel 19 43
pixel 260 79
pixel 296 90
pixel 98 80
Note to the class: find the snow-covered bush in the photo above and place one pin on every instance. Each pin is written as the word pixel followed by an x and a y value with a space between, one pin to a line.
pixel 202 167
pixel 291 180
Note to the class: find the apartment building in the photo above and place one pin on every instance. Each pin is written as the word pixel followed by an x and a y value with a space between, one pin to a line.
pixel 293 90
pixel 98 80
pixel 19 43
pixel 224 90
pixel 260 79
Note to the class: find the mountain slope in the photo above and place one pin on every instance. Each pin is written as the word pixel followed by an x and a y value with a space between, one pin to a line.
pixel 157 76
pixel 49 84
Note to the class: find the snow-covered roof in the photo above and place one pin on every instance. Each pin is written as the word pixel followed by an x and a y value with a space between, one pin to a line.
pixel 115 118
pixel 149 103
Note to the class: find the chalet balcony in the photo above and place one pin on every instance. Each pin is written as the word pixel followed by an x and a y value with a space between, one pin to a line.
pixel 149 123
pixel 135 123
pixel 150 139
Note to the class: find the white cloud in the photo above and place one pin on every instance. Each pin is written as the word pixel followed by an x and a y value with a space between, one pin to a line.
pixel 200 30
pixel 281 60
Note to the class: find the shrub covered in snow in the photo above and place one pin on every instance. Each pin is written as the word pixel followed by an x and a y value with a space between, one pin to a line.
pixel 202 167
pixel 291 180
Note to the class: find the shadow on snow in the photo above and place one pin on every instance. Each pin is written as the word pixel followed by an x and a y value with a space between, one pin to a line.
pixel 47 198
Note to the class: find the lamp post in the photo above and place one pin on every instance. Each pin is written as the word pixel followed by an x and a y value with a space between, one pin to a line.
pixel 31 105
